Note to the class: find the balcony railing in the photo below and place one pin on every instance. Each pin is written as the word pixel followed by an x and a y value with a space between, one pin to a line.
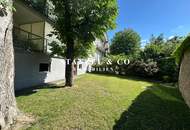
pixel 103 47
pixel 42 7
pixel 29 41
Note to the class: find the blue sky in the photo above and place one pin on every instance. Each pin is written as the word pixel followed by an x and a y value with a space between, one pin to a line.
pixel 171 17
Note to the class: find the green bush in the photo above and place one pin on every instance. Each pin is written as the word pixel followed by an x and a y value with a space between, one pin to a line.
pixel 151 51
pixel 169 69
pixel 163 69
pixel 155 60
pixel 143 68
pixel 166 78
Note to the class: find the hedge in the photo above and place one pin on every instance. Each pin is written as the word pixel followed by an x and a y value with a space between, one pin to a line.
pixel 165 69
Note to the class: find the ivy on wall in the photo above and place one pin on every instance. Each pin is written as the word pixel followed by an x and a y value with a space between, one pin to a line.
pixel 4 6
pixel 179 52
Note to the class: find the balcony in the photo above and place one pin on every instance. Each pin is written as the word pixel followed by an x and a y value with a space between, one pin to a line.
pixel 29 41
pixel 102 46
pixel 42 7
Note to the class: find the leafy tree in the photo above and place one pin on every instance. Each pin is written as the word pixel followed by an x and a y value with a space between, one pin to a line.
pixel 159 40
pixel 159 48
pixel 80 51
pixel 79 22
pixel 125 42
pixel 151 51
pixel 161 51
pixel 171 44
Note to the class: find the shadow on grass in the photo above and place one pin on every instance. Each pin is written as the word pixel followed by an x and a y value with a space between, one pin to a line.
pixel 35 89
pixel 157 108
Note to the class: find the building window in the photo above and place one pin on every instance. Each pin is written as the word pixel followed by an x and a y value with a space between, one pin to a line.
pixel 80 66
pixel 44 67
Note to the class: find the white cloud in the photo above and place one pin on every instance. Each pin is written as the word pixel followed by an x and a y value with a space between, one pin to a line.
pixel 169 38
pixel 143 43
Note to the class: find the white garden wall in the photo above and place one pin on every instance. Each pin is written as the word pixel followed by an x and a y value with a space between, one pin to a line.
pixel 27 72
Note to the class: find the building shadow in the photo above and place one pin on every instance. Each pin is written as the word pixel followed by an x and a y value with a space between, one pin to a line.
pixel 157 108
pixel 35 89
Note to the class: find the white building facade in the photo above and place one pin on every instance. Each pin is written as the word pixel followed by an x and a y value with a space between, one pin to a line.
pixel 33 64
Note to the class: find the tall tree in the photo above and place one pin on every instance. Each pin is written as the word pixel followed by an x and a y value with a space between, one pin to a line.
pixel 159 47
pixel 125 42
pixel 158 40
pixel 79 22
pixel 8 109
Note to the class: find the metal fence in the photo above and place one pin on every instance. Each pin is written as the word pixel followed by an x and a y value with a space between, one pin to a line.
pixel 29 41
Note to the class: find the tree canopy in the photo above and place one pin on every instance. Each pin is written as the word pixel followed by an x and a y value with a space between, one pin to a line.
pixel 80 51
pixel 160 47
pixel 77 25
pixel 84 20
pixel 125 42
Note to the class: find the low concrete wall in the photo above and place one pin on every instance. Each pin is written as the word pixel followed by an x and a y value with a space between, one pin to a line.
pixel 27 69
pixel 84 65
pixel 184 77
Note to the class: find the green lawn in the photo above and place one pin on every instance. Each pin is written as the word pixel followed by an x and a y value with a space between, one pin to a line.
pixel 99 102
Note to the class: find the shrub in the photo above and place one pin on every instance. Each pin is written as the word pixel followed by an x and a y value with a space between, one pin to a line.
pixel 151 51
pixel 155 61
pixel 168 68
pixel 143 68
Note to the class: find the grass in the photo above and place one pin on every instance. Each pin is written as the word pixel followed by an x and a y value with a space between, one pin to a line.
pixel 100 102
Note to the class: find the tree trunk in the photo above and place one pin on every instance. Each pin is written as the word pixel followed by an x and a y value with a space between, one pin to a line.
pixel 8 109
pixel 69 45
pixel 70 64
